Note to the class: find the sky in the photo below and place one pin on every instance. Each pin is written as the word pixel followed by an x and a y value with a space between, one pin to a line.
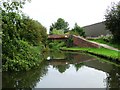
pixel 82 12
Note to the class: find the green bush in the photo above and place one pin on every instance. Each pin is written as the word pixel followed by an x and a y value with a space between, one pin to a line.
pixel 25 57
pixel 77 30
pixel 19 37
pixel 55 31
pixel 107 38
pixel 55 45
pixel 33 32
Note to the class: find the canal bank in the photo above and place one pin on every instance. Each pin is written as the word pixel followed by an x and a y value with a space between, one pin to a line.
pixel 66 70
pixel 100 52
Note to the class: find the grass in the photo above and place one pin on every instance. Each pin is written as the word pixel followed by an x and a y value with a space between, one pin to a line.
pixel 100 40
pixel 102 52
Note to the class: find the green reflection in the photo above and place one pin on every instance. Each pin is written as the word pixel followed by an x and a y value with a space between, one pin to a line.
pixel 62 68
pixel 78 66
pixel 113 78
pixel 24 79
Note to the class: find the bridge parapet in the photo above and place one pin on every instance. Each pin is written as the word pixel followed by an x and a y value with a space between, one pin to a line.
pixel 79 41
pixel 58 37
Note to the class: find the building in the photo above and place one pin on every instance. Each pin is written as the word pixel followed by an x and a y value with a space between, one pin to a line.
pixel 96 29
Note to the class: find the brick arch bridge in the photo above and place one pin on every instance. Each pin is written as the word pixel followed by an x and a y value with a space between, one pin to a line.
pixel 77 40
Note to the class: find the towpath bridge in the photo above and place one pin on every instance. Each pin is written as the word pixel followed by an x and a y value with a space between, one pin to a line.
pixel 77 40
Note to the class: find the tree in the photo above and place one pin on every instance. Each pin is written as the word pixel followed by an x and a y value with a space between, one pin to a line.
pixel 78 30
pixel 19 36
pixel 11 26
pixel 59 25
pixel 112 22
pixel 33 32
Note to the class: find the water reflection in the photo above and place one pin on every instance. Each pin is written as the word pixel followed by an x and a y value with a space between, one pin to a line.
pixel 113 78
pixel 24 79
pixel 76 67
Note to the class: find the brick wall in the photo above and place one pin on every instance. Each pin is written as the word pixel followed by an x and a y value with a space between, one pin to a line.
pixel 79 41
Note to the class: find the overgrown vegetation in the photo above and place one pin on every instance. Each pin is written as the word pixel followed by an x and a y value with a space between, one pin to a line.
pixel 33 32
pixel 77 30
pixel 106 40
pixel 58 32
pixel 56 45
pixel 113 21
pixel 102 52
pixel 20 35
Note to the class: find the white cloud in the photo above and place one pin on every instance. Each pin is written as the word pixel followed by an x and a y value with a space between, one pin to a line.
pixel 84 12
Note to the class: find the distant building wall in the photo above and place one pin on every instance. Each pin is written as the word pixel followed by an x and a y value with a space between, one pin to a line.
pixel 96 30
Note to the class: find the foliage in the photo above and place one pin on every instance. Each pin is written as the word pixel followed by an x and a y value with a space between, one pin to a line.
pixel 24 57
pixel 33 32
pixel 17 53
pixel 70 41
pixel 55 45
pixel 54 31
pixel 106 40
pixel 59 25
pixel 113 21
pixel 77 30
pixel 102 52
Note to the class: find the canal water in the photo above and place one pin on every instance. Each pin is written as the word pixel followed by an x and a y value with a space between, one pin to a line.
pixel 66 70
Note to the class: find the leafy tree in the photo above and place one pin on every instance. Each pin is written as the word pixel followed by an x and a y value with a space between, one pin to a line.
pixel 11 23
pixel 17 53
pixel 59 25
pixel 55 31
pixel 77 30
pixel 113 21
pixel 33 32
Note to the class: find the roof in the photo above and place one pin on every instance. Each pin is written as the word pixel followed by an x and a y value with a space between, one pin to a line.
pixel 93 24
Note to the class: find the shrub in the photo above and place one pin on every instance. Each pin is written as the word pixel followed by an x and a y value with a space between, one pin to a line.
pixel 24 57
pixel 19 35
pixel 57 31
pixel 55 45
pixel 77 30
pixel 33 32
pixel 113 21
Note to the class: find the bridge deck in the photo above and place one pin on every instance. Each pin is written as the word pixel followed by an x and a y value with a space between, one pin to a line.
pixel 58 36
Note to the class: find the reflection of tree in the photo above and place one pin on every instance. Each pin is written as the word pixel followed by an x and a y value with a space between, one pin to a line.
pixel 57 55
pixel 62 68
pixel 24 79
pixel 113 79
pixel 78 66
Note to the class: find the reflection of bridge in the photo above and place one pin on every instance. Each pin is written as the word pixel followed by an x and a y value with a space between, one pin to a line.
pixel 77 40
pixel 75 58
pixel 71 59
pixel 93 63
pixel 65 61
